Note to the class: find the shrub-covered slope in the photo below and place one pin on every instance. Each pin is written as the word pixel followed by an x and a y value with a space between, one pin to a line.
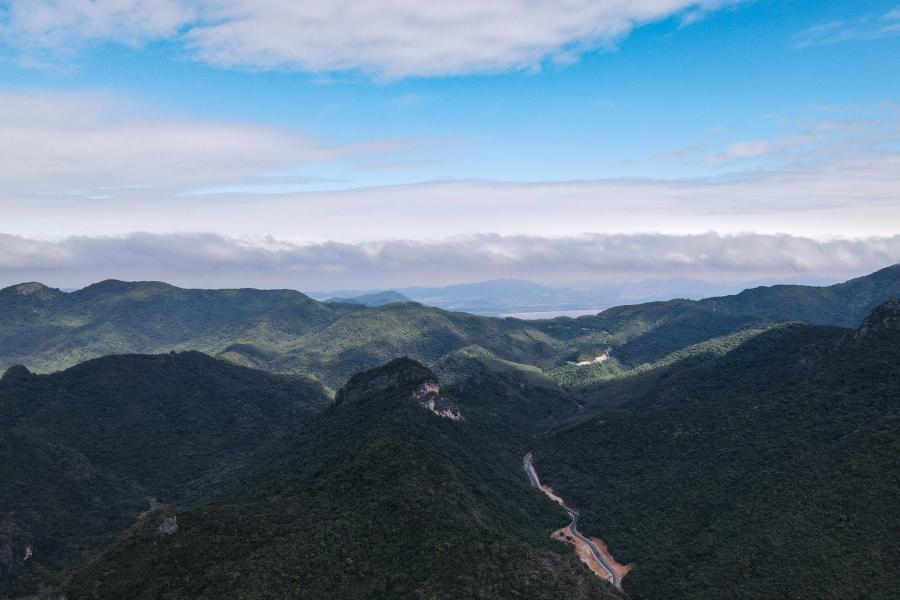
pixel 844 304
pixel 46 329
pixel 285 331
pixel 378 498
pixel 769 472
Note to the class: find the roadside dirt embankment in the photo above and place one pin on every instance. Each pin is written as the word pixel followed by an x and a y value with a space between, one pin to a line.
pixel 568 535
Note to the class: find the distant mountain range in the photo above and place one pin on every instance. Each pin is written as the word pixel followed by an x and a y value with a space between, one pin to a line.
pixel 372 300
pixel 514 296
pixel 486 298
pixel 287 332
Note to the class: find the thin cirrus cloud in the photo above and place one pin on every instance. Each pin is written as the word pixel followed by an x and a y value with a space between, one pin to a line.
pixel 850 132
pixel 89 143
pixel 868 27
pixel 220 261
pixel 393 38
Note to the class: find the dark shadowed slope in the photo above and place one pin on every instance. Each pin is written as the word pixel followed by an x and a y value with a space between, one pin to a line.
pixel 771 471
pixel 82 451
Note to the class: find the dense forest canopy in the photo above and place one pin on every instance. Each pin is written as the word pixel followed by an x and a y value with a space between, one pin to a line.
pixel 718 450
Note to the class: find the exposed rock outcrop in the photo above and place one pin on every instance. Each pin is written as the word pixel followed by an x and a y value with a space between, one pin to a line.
pixel 428 395
pixel 168 526
pixel 30 293
pixel 404 379
pixel 26 289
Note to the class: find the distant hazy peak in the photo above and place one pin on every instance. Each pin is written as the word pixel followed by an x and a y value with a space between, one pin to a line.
pixel 26 289
pixel 117 285
pixel 373 299
pixel 31 288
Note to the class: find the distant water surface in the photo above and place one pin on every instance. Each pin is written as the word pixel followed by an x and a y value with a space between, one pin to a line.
pixel 552 314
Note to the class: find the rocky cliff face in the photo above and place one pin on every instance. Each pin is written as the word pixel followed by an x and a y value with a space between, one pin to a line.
pixel 13 557
pixel 26 289
pixel 428 395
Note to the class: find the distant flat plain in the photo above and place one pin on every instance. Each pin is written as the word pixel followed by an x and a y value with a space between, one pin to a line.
pixel 552 314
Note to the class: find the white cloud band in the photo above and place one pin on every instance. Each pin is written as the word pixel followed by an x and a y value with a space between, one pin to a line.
pixel 216 261
pixel 392 38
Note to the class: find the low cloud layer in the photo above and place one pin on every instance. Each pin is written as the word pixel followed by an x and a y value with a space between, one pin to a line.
pixel 208 260
pixel 846 198
pixel 96 164
pixel 392 38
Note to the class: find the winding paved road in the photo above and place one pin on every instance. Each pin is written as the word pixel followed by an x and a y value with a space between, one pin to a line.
pixel 528 465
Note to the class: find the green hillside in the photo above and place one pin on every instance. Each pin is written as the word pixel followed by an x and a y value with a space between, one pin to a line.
pixel 756 462
pixel 610 383
pixel 367 338
pixel 378 498
pixel 83 451
pixel 845 304
pixel 769 471
pixel 286 332
pixel 47 330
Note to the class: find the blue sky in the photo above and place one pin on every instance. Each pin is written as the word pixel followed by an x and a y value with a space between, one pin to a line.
pixel 667 86
pixel 757 117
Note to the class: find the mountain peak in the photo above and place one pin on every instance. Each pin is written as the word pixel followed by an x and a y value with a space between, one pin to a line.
pixel 884 318
pixel 401 375
pixel 31 288
pixel 117 285
pixel 15 373
pixel 402 378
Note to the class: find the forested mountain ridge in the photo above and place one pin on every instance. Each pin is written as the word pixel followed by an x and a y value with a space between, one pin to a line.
pixel 46 329
pixel 770 471
pixel 844 304
pixel 85 450
pixel 760 463
pixel 378 497
pixel 287 332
